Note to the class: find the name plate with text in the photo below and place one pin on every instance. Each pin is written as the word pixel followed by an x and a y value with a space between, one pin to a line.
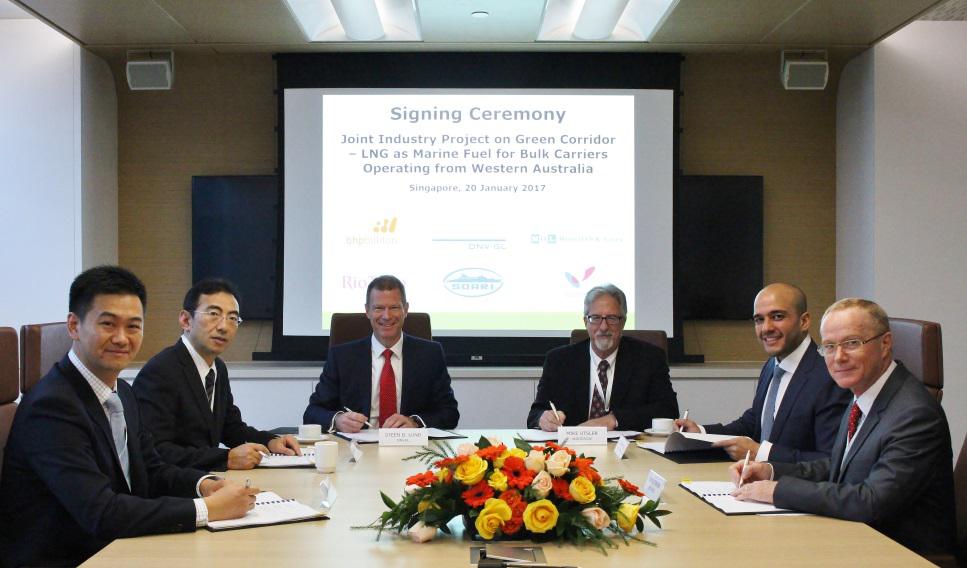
pixel 582 435
pixel 403 437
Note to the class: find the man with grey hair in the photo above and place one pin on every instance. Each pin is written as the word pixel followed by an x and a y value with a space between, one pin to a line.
pixel 606 380
pixel 891 461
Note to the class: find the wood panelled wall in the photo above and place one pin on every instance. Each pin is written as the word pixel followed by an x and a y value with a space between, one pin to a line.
pixel 220 117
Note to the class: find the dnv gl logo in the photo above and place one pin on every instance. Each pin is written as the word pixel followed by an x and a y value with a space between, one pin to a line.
pixel 473 282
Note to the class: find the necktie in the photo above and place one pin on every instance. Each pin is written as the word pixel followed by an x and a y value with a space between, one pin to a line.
pixel 115 415
pixel 210 386
pixel 769 416
pixel 854 420
pixel 387 389
pixel 597 402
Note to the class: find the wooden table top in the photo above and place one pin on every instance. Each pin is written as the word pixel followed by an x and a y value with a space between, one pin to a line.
pixel 694 534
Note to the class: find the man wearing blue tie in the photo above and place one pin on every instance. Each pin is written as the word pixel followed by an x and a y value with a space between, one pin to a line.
pixel 79 469
pixel 797 406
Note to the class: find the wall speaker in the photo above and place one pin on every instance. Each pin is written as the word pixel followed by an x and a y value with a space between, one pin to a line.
pixel 804 70
pixel 150 70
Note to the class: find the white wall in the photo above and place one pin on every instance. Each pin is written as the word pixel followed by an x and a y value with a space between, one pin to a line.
pixel 56 195
pixel 909 188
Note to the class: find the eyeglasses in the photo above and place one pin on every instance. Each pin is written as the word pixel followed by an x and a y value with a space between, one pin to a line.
pixel 214 316
pixel 828 349
pixel 595 319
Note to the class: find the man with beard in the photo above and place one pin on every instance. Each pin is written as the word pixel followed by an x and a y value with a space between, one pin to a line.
pixel 606 380
pixel 797 406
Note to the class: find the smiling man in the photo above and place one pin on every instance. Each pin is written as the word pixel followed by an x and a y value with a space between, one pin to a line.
pixel 80 469
pixel 891 464
pixel 388 379
pixel 607 380
pixel 797 406
pixel 186 397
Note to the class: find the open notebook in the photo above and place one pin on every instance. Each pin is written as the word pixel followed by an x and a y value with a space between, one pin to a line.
pixel 270 509
pixel 719 495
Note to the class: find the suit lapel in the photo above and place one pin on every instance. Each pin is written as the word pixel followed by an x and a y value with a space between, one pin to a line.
pixel 581 385
pixel 839 446
pixel 362 367
pixel 794 389
pixel 761 391
pixel 883 400
pixel 621 377
pixel 189 374
pixel 409 381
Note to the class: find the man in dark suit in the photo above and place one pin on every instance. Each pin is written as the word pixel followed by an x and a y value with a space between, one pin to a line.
pixel 80 470
pixel 891 465
pixel 797 406
pixel 185 394
pixel 607 380
pixel 387 379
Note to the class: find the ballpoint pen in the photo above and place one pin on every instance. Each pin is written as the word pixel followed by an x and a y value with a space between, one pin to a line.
pixel 745 464
pixel 368 423
pixel 684 418
pixel 556 413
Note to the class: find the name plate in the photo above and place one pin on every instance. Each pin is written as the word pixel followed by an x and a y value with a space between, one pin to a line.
pixel 582 435
pixel 654 486
pixel 404 437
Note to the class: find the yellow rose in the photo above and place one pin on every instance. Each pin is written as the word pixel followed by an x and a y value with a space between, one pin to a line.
pixel 626 516
pixel 498 480
pixel 558 463
pixel 471 471
pixel 540 516
pixel 582 490
pixel 495 513
pixel 443 474
pixel 517 452
pixel 426 504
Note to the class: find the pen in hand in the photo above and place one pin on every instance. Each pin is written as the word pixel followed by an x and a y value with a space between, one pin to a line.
pixel 745 464
pixel 556 413
pixel 684 418
pixel 368 423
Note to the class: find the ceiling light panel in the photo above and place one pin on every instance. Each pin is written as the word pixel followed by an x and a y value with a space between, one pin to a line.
pixel 451 21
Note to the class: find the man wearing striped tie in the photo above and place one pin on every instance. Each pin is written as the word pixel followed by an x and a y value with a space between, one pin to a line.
pixel 185 394
pixel 891 464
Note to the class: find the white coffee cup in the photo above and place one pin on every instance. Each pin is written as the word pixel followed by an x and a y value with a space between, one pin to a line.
pixel 327 454
pixel 662 424
pixel 310 431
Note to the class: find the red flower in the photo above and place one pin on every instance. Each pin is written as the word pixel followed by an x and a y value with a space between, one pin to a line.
pixel 478 494
pixel 517 506
pixel 517 473
pixel 585 468
pixel 630 488
pixel 491 453
pixel 455 460
pixel 562 489
pixel 537 448
pixel 513 525
pixel 555 447
pixel 421 479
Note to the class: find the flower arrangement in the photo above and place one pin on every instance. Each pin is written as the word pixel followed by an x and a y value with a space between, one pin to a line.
pixel 541 493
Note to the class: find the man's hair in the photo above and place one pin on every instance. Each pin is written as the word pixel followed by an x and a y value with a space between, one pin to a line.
pixel 102 280
pixel 606 290
pixel 386 283
pixel 800 301
pixel 206 286
pixel 881 322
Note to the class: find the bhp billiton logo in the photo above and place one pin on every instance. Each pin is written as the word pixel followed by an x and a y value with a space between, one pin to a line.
pixel 386 226
pixel 473 282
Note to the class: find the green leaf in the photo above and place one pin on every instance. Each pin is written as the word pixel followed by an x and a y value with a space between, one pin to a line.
pixel 483 443
pixel 520 443
pixel 389 502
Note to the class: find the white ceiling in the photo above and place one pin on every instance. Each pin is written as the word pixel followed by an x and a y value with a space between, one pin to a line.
pixel 112 26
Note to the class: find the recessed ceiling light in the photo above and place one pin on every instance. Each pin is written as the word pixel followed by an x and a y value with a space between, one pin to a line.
pixel 479 14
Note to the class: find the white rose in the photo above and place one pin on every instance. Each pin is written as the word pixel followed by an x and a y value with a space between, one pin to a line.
pixel 410 489
pixel 597 517
pixel 558 463
pixel 534 461
pixel 466 449
pixel 542 484
pixel 422 533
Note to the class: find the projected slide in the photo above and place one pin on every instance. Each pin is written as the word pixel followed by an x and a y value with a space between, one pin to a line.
pixel 499 210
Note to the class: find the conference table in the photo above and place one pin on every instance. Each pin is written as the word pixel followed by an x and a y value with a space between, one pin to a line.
pixel 694 534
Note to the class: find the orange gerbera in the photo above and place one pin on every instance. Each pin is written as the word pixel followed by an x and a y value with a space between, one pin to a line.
pixel 517 506
pixel 586 469
pixel 630 488
pixel 513 525
pixel 555 447
pixel 421 479
pixel 477 495
pixel 517 473
pixel 491 453
pixel 455 460
pixel 562 488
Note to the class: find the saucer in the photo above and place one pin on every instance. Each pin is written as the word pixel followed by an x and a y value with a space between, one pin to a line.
pixel 651 432
pixel 311 440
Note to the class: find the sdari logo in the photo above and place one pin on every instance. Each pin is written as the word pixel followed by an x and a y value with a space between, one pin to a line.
pixel 473 282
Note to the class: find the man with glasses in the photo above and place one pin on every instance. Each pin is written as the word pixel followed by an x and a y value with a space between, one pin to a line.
pixel 891 462
pixel 797 406
pixel 606 380
pixel 386 380
pixel 186 397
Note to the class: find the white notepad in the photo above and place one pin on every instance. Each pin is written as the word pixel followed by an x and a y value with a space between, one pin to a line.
pixel 307 459
pixel 270 509
pixel 719 495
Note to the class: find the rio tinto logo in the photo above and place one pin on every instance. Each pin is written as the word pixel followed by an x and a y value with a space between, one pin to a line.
pixel 473 282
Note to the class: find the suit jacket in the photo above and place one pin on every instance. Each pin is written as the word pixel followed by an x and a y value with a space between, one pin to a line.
pixel 897 476
pixel 642 389
pixel 347 381
pixel 63 495
pixel 808 417
pixel 175 409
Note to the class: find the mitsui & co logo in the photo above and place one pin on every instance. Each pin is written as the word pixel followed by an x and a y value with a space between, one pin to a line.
pixel 473 282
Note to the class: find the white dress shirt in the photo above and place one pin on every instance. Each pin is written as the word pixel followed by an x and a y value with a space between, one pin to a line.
pixel 865 402
pixel 203 368
pixel 595 384
pixel 788 365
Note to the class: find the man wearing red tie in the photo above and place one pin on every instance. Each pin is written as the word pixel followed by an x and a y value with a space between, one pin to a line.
pixel 387 380
pixel 891 462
